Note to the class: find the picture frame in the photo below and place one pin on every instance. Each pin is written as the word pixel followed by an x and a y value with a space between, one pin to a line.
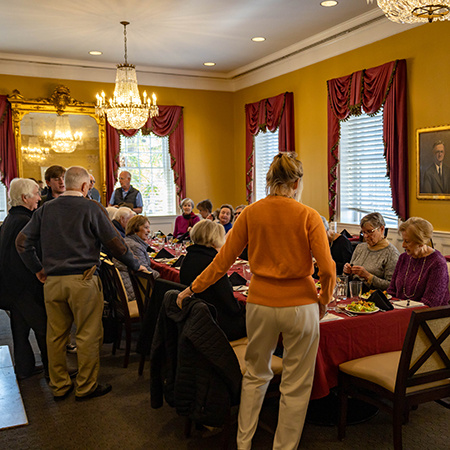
pixel 433 163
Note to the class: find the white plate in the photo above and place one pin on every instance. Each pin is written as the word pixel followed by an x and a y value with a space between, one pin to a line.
pixel 361 312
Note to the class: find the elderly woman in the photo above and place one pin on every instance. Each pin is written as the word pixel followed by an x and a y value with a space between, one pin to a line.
pixel 340 247
pixel 282 297
pixel 121 218
pixel 205 209
pixel 374 260
pixel 238 210
pixel 21 289
pixel 208 237
pixel 421 272
pixel 187 220
pixel 226 214
pixel 137 234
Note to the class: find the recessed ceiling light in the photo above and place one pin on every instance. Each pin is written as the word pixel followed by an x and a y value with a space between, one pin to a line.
pixel 209 64
pixel 258 39
pixel 329 3
pixel 95 53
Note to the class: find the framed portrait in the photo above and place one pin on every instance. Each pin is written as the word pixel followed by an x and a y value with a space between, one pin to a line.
pixel 433 163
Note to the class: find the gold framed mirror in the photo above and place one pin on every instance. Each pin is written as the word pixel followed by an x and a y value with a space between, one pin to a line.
pixel 58 130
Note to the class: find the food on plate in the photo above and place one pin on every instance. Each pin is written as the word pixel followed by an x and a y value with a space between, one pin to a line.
pixel 318 285
pixel 362 306
pixel 367 295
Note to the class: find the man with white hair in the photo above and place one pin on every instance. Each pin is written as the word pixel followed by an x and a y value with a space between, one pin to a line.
pixel 93 192
pixel 121 218
pixel 72 289
pixel 126 194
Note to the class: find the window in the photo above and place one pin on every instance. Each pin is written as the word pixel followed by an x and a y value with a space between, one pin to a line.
pixel 3 202
pixel 364 186
pixel 266 147
pixel 147 158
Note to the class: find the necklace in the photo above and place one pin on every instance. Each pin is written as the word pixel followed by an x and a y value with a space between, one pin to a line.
pixel 408 296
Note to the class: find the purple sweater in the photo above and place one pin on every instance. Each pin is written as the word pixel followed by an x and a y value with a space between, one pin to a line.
pixel 182 224
pixel 432 289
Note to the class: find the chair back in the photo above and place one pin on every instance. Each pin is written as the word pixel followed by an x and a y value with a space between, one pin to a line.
pixel 426 350
pixel 143 283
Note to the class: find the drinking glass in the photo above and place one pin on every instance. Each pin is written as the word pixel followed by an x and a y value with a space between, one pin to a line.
pixel 341 285
pixel 355 290
pixel 247 273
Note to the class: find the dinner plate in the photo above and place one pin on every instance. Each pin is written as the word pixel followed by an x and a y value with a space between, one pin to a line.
pixel 361 312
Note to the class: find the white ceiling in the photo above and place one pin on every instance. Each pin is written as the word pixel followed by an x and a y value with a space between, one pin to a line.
pixel 171 37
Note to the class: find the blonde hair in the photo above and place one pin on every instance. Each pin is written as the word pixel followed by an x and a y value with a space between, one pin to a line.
pixel 420 230
pixel 283 172
pixel 208 233
pixel 19 187
pixel 135 223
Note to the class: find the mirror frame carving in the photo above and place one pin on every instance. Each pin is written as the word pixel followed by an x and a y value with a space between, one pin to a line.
pixel 60 102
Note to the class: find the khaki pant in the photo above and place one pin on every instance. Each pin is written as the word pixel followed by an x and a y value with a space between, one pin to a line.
pixel 300 328
pixel 70 299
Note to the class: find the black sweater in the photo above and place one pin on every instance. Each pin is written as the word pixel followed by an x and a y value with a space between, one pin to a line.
pixel 230 313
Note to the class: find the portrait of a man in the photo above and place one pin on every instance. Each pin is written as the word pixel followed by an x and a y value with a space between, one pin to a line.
pixel 436 179
pixel 433 163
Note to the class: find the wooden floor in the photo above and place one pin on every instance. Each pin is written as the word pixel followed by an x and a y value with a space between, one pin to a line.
pixel 12 411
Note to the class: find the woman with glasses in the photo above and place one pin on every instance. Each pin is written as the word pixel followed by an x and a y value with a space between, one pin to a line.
pixel 374 260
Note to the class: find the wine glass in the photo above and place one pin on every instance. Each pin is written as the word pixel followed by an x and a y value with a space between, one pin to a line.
pixel 247 273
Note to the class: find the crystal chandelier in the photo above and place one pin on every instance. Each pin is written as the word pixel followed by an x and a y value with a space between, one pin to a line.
pixel 415 11
pixel 33 152
pixel 125 110
pixel 63 141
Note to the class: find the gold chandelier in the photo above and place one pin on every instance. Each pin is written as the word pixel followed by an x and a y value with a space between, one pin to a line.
pixel 62 140
pixel 415 11
pixel 125 110
pixel 33 152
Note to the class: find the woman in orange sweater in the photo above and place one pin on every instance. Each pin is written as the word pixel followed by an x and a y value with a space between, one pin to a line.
pixel 281 235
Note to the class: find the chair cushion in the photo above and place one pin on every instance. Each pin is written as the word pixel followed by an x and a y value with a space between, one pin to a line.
pixel 276 364
pixel 382 370
pixel 133 309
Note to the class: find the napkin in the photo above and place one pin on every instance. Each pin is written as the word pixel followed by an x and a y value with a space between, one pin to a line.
pixel 329 317
pixel 163 253
pixel 236 279
pixel 184 237
pixel 178 262
pixel 345 233
pixel 404 304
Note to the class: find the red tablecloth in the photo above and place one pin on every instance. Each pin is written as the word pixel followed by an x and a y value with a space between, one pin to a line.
pixel 356 337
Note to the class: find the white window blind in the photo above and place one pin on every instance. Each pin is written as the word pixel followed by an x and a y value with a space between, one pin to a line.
pixel 364 187
pixel 266 147
pixel 147 158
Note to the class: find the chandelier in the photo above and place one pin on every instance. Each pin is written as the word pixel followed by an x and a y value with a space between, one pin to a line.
pixel 125 110
pixel 62 140
pixel 415 11
pixel 33 152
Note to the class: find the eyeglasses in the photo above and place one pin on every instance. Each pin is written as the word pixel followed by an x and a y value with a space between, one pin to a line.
pixel 369 232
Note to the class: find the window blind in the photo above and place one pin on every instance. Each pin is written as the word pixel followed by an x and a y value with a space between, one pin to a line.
pixel 364 186
pixel 147 158
pixel 266 147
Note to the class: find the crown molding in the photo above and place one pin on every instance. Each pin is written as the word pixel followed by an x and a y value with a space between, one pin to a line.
pixel 355 33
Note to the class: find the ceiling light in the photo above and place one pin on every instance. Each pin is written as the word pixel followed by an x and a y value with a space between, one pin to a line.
pixel 95 53
pixel 415 11
pixel 258 39
pixel 209 64
pixel 125 110
pixel 329 3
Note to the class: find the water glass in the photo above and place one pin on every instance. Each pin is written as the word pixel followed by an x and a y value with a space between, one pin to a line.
pixel 355 290
pixel 247 273
pixel 341 287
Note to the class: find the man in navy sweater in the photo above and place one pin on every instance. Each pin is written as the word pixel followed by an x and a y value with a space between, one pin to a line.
pixel 70 230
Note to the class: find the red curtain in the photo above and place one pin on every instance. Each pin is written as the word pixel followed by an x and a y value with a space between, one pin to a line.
pixel 169 123
pixel 268 114
pixel 369 90
pixel 8 162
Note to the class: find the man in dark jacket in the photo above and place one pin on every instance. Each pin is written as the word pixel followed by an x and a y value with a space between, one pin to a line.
pixel 193 364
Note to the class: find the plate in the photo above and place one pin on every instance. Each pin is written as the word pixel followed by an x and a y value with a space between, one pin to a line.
pixel 361 312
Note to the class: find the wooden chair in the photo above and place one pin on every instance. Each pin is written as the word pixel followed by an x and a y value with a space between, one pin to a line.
pixel 127 312
pixel 143 283
pixel 401 380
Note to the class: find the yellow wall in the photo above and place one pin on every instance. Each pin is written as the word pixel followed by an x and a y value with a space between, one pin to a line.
pixel 215 121
pixel 209 157
pixel 428 71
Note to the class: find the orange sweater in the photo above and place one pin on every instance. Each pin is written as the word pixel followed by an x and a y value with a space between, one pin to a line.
pixel 281 234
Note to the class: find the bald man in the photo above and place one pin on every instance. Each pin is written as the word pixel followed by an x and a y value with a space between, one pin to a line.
pixel 126 195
